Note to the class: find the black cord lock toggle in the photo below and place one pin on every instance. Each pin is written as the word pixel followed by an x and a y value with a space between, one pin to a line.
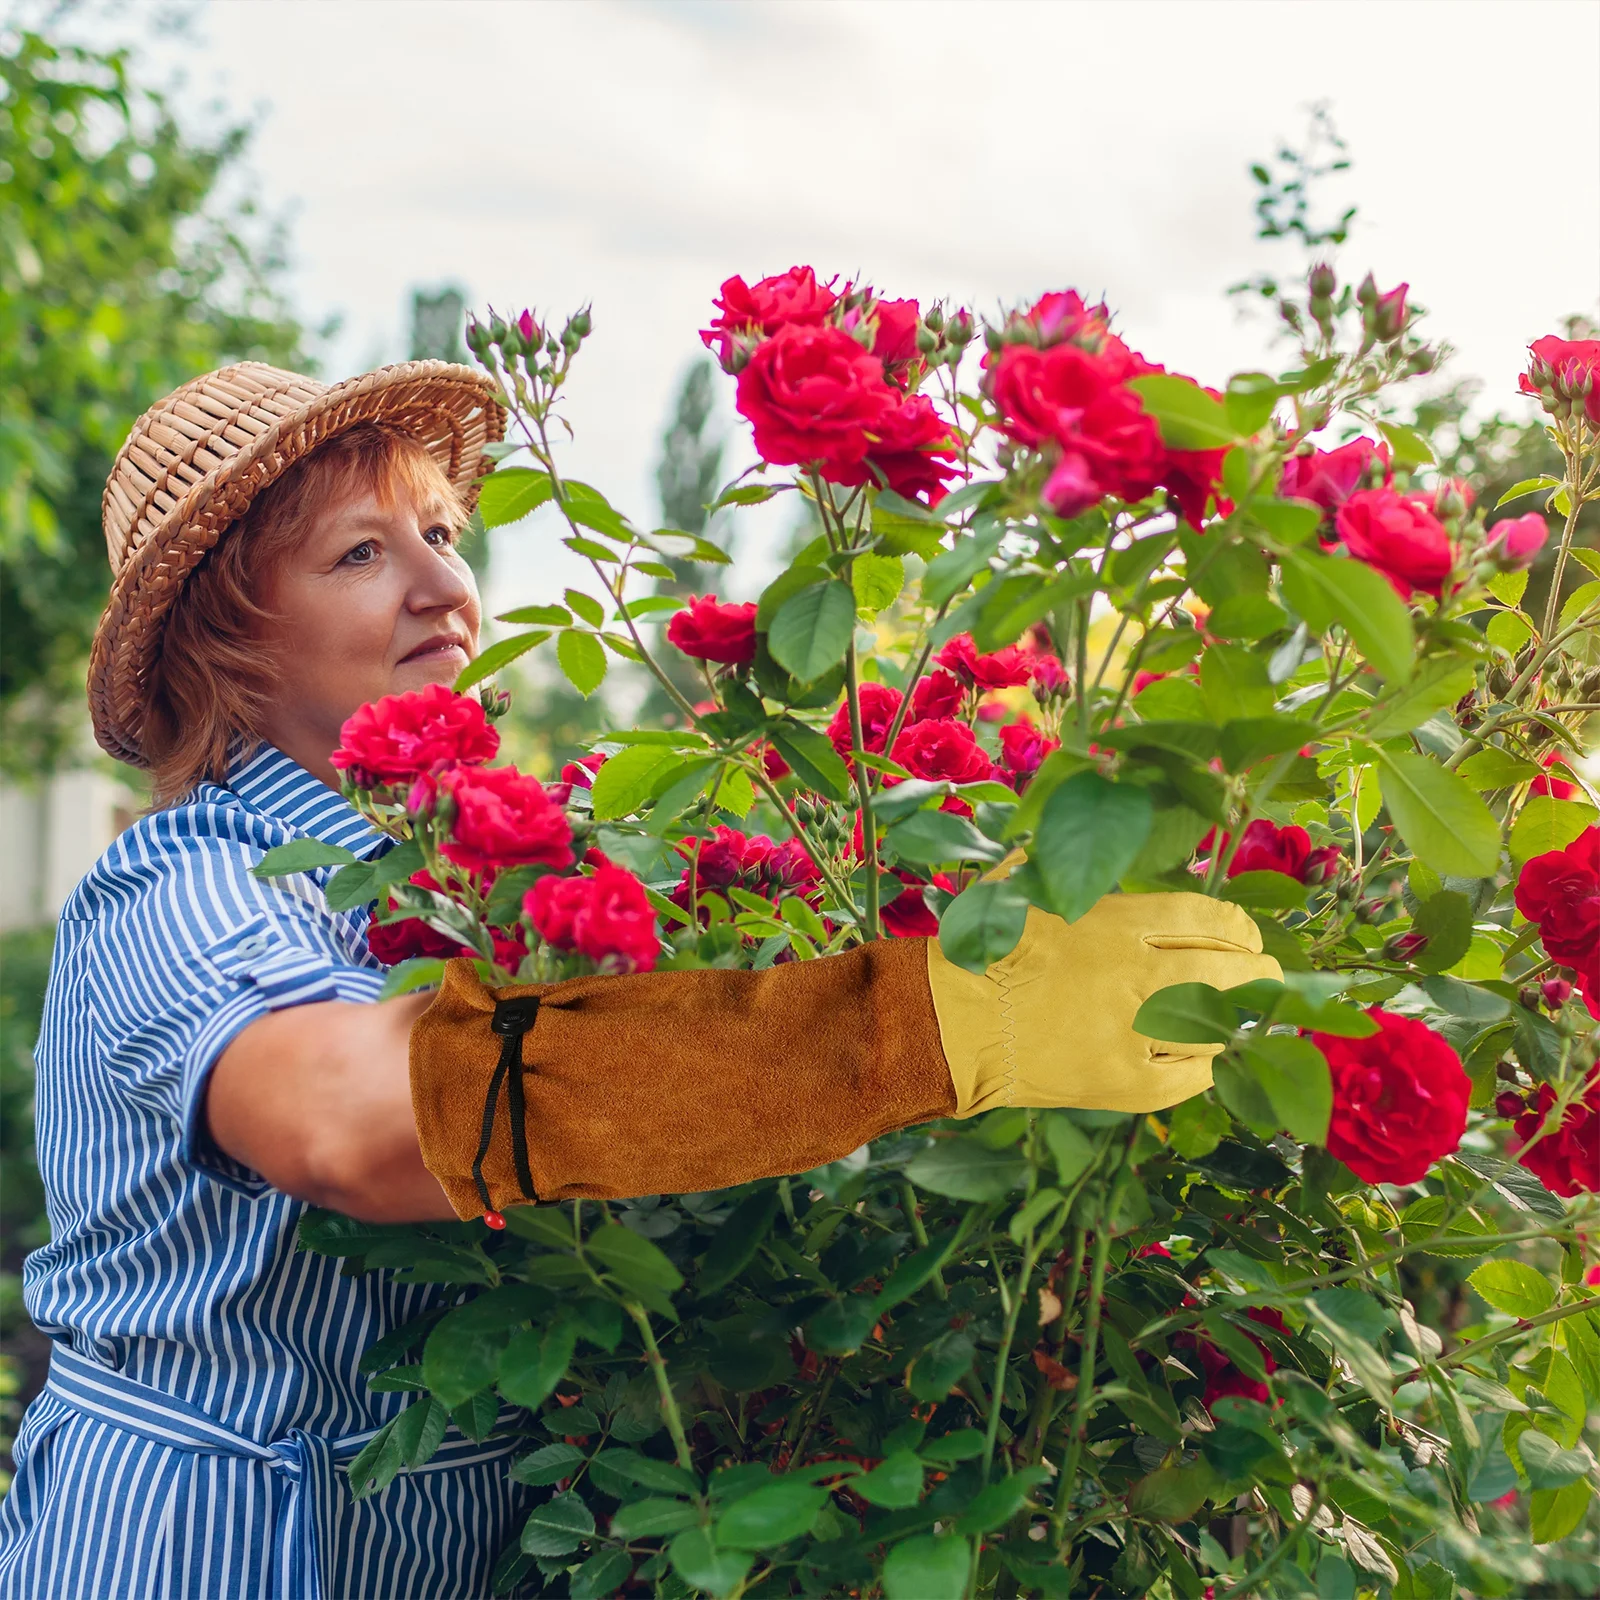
pixel 511 1020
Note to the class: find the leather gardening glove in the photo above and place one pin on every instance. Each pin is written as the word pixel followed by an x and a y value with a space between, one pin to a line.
pixel 676 1082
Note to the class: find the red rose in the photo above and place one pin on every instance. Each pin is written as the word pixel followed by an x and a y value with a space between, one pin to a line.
pixel 1050 678
pixel 402 736
pixel 708 630
pixel 1327 478
pixel 1398 537
pixel 879 703
pixel 938 694
pixel 755 310
pixel 1003 669
pixel 1566 1161
pixel 1514 543
pixel 1561 892
pixel 913 449
pixel 813 396
pixel 1063 315
pixel 502 819
pixel 772 763
pixel 730 859
pixel 1023 748
pixel 606 917
pixel 908 915
pixel 1399 1099
pixel 895 343
pixel 1192 479
pixel 394 942
pixel 1074 399
pixel 1567 370
pixel 1266 847
pixel 1556 788
pixel 579 774
pixel 942 750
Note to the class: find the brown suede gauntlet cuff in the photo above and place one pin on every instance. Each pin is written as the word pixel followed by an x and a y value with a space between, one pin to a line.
pixel 675 1082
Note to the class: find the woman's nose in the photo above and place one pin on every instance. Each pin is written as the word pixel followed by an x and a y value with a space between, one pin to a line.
pixel 440 581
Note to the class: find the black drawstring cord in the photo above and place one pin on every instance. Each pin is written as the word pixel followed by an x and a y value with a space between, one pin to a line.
pixel 511 1020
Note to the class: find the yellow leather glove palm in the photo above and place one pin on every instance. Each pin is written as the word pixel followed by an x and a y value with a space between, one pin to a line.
pixel 1051 1024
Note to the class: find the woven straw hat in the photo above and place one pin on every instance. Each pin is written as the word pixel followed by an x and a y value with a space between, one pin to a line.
pixel 194 462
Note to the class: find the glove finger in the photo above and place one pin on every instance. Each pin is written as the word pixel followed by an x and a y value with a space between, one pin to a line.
pixel 1165 1080
pixel 1222 967
pixel 1197 922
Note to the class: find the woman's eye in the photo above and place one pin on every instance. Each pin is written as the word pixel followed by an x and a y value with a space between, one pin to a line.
pixel 359 555
pixel 440 535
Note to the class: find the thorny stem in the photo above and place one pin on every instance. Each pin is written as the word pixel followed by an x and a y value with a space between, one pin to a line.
pixel 1575 501
pixel 1469 1351
pixel 669 1402
pixel 1251 1580
pixel 919 1230
pixel 869 832
pixel 814 1416
pixel 1081 1399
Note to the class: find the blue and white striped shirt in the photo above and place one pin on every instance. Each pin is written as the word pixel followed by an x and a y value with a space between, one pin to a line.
pixel 172 1275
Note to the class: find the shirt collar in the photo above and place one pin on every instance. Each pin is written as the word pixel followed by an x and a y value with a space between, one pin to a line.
pixel 270 782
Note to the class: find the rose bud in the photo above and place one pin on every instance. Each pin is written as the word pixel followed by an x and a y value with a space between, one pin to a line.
pixel 961 329
pixel 529 329
pixel 1322 281
pixel 1514 543
pixel 1390 314
pixel 1406 947
pixel 1509 1105
pixel 497 329
pixel 1556 992
pixel 933 318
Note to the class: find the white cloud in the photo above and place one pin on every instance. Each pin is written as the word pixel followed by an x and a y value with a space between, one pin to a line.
pixel 637 153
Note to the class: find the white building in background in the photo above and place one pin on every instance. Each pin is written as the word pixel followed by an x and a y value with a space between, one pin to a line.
pixel 51 833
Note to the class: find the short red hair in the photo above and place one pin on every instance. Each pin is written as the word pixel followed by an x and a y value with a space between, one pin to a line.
pixel 216 671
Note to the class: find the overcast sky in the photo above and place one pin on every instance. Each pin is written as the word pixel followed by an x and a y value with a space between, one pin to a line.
pixel 636 153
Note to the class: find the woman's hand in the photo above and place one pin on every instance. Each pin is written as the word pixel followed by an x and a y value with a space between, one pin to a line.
pixel 317 1099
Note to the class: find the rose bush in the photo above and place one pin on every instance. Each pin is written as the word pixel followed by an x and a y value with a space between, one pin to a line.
pixel 1329 1328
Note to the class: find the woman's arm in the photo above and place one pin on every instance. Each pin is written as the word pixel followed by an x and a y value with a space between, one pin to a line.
pixel 317 1099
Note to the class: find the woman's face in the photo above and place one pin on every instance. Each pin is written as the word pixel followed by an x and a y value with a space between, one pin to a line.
pixel 374 601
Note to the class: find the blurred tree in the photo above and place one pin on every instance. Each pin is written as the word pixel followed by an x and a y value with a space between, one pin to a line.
pixel 437 318
pixel 122 273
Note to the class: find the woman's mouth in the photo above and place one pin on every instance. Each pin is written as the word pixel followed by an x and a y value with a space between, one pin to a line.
pixel 436 648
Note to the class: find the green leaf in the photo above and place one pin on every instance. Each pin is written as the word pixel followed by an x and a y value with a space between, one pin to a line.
pixel 602 1574
pixel 1548 1466
pixel 501 654
pixel 1235 684
pixel 1446 919
pixel 1189 419
pixel 697 1560
pixel 1409 447
pixel 511 493
pixel 1494 768
pixel 983 923
pixel 1249 401
pixel 1509 630
pixel 377 1462
pixel 583 659
pixel 352 886
pixel 812 629
pixel 841 1326
pixel 1554 1513
pixel 927 1567
pixel 1545 823
pixel 948 574
pixel 558 1526
pixel 1513 1287
pixel 1197 1126
pixel 650 1519
pixel 1264 891
pixel 998 1502
pixel 587 607
pixel 1187 1013
pixel 1294 1074
pixel 627 779
pixel 1245 616
pixel 548 1465
pixel 664 1476
pixel 462 1355
pixel 1438 684
pixel 1325 590
pixel 1527 486
pixel 927 838
pixel 895 1484
pixel 632 1259
pixel 914 1271
pixel 962 1445
pixel 534 1362
pixel 773 1514
pixel 419 1431
pixel 300 855
pixel 1073 1150
pixel 1089 834
pixel 737 1240
pixel 746 494
pixel 877 581
pixel 963 1169
pixel 1172 1494
pixel 1438 815
pixel 537 616
pixel 816 763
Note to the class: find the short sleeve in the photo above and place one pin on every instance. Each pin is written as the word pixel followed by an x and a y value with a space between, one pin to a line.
pixel 191 952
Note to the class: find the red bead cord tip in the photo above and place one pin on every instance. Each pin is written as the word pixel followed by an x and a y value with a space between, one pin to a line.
pixel 494 1220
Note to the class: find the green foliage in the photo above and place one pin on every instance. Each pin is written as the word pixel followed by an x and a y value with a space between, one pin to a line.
pixel 121 276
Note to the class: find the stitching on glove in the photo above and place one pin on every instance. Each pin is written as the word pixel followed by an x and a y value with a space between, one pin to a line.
pixel 1008 1024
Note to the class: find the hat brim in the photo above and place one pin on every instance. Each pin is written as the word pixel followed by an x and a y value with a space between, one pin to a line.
pixel 453 411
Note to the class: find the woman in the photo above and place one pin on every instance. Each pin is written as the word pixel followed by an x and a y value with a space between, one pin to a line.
pixel 214 1055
